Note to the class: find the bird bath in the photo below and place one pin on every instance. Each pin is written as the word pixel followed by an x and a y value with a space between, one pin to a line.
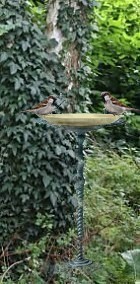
pixel 80 120
pixel 81 123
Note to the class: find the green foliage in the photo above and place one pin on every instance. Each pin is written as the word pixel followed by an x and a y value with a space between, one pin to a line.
pixel 111 227
pixel 114 59
pixel 111 213
pixel 113 183
pixel 37 11
pixel 122 28
pixel 123 139
pixel 34 167
pixel 40 265
pixel 115 55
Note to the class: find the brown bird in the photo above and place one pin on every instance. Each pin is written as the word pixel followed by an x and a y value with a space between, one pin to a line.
pixel 47 106
pixel 112 105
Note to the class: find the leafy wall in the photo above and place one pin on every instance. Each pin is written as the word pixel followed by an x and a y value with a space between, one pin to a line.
pixel 34 167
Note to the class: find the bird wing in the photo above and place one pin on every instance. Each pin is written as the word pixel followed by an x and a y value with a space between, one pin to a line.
pixel 117 102
pixel 41 104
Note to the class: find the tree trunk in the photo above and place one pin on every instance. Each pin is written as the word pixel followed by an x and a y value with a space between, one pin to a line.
pixel 53 31
pixel 64 20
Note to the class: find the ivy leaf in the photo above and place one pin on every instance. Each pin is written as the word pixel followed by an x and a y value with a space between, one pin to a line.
pixel 3 56
pixel 25 45
pixel 13 68
pixel 3 29
pixel 71 153
pixel 53 198
pixel 46 179
pixel 33 90
pixel 14 150
pixel 17 84
pixel 84 2
pixel 58 150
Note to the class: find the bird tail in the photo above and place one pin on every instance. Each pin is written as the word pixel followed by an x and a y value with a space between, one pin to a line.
pixel 27 110
pixel 133 109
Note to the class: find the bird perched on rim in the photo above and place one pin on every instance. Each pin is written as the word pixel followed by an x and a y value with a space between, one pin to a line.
pixel 47 106
pixel 112 105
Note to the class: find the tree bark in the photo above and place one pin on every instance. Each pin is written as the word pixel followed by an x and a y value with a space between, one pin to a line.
pixel 53 31
pixel 70 58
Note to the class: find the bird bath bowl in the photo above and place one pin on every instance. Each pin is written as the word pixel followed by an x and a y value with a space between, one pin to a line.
pixel 81 120
pixel 81 123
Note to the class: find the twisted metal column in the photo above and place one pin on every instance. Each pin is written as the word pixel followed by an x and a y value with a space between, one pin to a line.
pixel 80 261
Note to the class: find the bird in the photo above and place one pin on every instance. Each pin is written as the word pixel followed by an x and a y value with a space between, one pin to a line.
pixel 113 106
pixel 47 106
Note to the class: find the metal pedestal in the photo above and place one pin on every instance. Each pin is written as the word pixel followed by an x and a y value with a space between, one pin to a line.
pixel 80 260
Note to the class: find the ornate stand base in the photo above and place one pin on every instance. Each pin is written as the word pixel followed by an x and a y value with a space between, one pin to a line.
pixel 81 123
pixel 79 263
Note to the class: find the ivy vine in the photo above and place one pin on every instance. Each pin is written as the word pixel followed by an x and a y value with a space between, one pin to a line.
pixel 74 23
pixel 35 171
